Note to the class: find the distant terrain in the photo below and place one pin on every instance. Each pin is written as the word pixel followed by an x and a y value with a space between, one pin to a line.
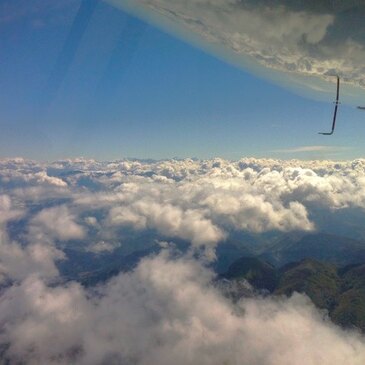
pixel 324 247
pixel 339 290
pixel 329 269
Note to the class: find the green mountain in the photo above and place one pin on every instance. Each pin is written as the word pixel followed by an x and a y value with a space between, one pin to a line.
pixel 318 280
pixel 340 290
pixel 350 310
pixel 258 273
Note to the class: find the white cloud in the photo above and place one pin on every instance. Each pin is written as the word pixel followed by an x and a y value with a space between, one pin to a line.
pixel 7 211
pixel 309 149
pixel 18 261
pixel 198 201
pixel 42 177
pixel 57 223
pixel 165 312
pixel 169 220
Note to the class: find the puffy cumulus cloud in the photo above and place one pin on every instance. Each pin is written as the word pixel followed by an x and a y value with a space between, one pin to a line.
pixel 42 177
pixel 197 200
pixel 20 173
pixel 170 221
pixel 200 201
pixel 29 181
pixel 18 261
pixel 56 223
pixel 7 211
pixel 166 311
pixel 287 35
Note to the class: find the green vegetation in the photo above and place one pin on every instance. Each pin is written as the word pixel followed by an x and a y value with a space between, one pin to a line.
pixel 318 280
pixel 258 273
pixel 339 290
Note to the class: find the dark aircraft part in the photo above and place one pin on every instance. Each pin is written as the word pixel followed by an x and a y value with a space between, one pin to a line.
pixel 361 107
pixel 335 112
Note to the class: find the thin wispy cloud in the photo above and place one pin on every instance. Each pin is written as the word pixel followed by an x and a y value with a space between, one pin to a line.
pixel 309 149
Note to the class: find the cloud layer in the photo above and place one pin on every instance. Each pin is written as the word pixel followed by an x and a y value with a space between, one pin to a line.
pixel 200 202
pixel 167 309
pixel 166 312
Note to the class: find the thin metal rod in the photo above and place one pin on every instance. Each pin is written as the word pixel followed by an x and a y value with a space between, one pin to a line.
pixel 335 111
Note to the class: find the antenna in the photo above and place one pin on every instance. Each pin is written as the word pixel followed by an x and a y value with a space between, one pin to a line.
pixel 335 111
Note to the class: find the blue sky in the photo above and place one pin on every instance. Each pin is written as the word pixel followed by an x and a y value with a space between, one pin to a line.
pixel 128 89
